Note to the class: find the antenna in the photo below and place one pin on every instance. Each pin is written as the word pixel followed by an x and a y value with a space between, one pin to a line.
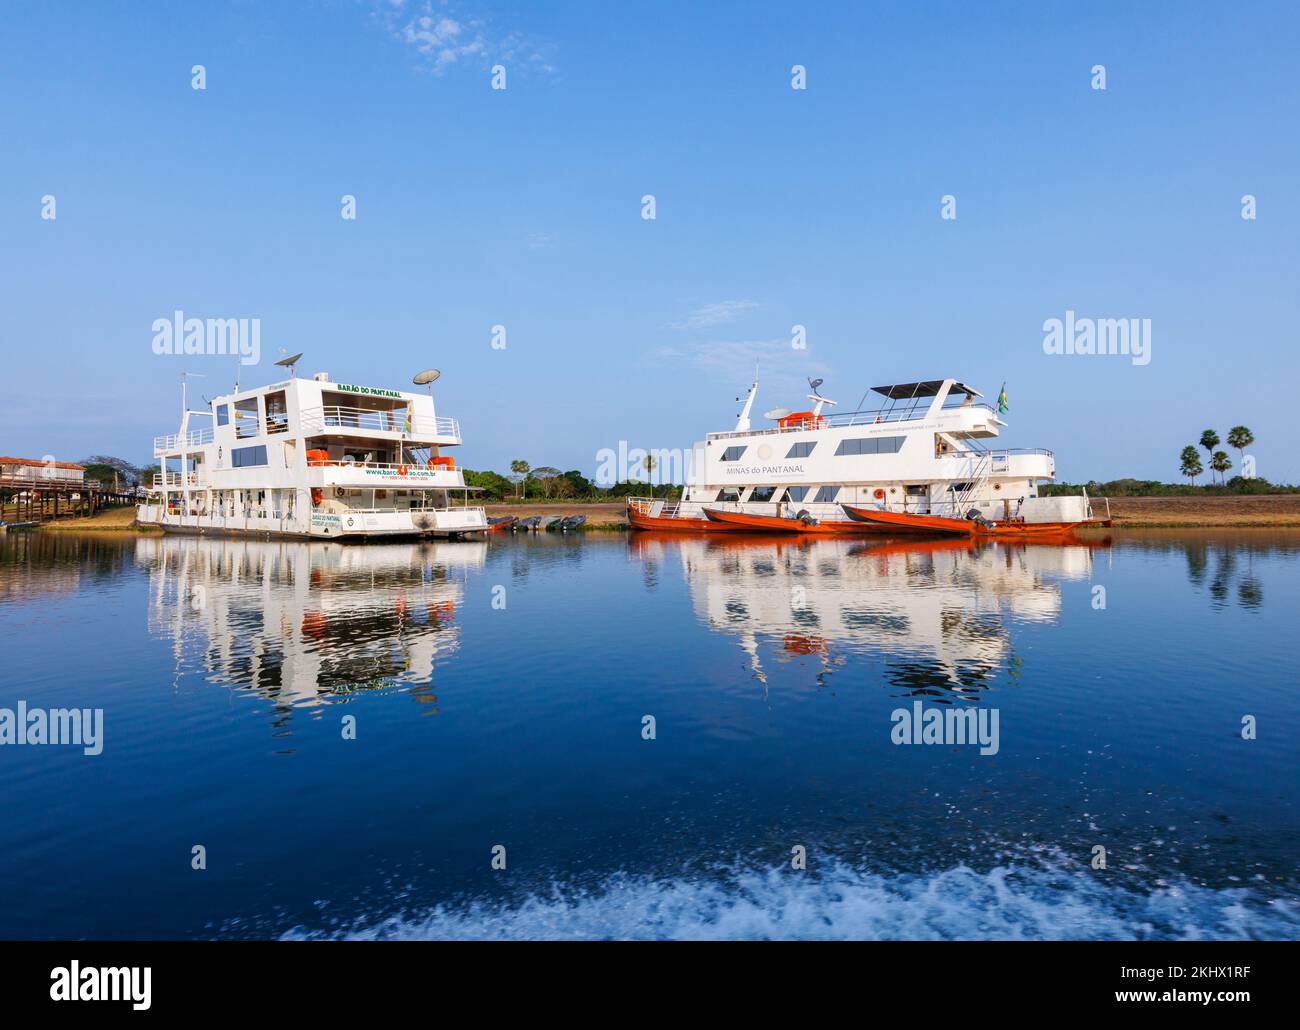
pixel 814 383
pixel 289 362
pixel 184 405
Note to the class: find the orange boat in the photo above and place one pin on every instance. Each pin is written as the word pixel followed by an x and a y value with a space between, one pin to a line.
pixel 776 523
pixel 912 522
pixel 639 517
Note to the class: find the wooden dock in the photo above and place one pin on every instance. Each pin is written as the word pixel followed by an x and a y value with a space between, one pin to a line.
pixel 23 499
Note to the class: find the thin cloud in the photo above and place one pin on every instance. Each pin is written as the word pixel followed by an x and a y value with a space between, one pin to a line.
pixel 444 38
pixel 716 314
pixel 783 371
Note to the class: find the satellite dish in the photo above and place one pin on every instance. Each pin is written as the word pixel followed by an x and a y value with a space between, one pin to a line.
pixel 425 377
pixel 814 383
pixel 290 361
pixel 776 414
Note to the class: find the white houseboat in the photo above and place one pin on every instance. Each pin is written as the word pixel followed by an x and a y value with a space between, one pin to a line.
pixel 922 453
pixel 313 458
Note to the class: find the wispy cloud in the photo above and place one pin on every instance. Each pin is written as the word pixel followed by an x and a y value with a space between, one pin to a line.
pixel 444 36
pixel 782 369
pixel 716 314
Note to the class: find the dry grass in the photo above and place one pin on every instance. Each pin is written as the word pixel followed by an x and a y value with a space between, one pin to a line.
pixel 116 520
pixel 1262 510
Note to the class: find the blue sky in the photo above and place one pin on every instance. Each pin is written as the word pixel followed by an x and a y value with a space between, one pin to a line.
pixel 775 207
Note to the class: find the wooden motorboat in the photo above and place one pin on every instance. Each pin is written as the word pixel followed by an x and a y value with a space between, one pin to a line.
pixel 501 523
pixel 802 523
pixel 639 517
pixel 915 522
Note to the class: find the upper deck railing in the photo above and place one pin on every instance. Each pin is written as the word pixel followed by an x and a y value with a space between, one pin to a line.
pixel 337 417
pixel 878 416
pixel 175 441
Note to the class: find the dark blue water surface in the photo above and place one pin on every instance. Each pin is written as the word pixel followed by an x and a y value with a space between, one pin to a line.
pixel 499 692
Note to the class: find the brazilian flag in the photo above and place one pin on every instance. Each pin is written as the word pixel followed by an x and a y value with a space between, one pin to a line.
pixel 1002 400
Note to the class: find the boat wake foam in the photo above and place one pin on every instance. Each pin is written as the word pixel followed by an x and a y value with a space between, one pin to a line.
pixel 1004 903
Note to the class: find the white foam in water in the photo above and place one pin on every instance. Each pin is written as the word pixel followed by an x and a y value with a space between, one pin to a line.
pixel 959 903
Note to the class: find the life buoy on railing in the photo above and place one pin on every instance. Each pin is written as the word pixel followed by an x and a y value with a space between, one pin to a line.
pixel 878 494
pixel 401 470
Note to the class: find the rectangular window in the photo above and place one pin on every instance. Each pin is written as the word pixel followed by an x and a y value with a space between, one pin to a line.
pixel 827 495
pixel 797 493
pixel 870 445
pixel 762 493
pixel 733 453
pixel 801 450
pixel 246 418
pixel 246 457
pixel 223 414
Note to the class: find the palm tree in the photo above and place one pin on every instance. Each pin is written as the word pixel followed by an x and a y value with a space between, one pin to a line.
pixel 1240 437
pixel 521 469
pixel 1191 463
pixel 1210 440
pixel 648 463
pixel 1220 463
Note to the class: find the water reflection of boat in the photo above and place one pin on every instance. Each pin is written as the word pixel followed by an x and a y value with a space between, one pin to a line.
pixel 936 611
pixel 301 624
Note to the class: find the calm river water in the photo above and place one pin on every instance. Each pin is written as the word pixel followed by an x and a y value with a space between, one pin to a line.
pixel 653 735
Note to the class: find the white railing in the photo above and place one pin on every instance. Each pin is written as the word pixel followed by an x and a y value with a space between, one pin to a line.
pixel 393 466
pixel 878 416
pixel 332 417
pixel 175 441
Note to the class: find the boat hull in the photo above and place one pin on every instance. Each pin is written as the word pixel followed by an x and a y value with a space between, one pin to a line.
pixel 909 522
pixel 676 524
pixel 777 524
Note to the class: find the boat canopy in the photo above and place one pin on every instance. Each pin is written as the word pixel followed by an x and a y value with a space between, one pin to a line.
pixel 928 388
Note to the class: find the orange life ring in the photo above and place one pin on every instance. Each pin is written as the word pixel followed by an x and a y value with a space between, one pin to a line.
pixel 401 470
pixel 878 494
pixel 316 496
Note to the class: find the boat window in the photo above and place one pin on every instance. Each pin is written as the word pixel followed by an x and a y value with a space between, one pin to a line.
pixel 729 495
pixel 244 457
pixel 762 493
pixel 223 414
pixel 827 494
pixel 958 488
pixel 246 418
pixel 733 453
pixel 797 493
pixel 277 414
pixel 801 450
pixel 870 445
